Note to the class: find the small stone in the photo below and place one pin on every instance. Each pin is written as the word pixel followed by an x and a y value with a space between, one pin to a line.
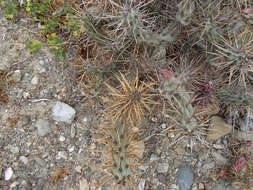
pixel 14 149
pixel 85 119
pixel 20 93
pixel 35 80
pixel 162 178
pixel 163 167
pixel 185 177
pixel 41 62
pixel 72 131
pixel 71 148
pixel 208 166
pixel 141 185
pixel 23 159
pixel 78 169
pixel 201 186
pixel 62 138
pixel 163 125
pixel 14 184
pixel 154 157
pixel 8 174
pixel 219 158
pixel 26 95
pixel 17 76
pixel 144 168
pixel 43 127
pixel 60 155
pixel 62 112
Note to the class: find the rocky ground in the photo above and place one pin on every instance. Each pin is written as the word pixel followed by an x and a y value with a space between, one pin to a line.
pixel 46 133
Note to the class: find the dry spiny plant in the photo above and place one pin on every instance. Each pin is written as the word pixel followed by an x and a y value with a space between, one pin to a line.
pixel 121 153
pixel 235 57
pixel 129 101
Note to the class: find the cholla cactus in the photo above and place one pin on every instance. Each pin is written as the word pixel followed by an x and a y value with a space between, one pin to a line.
pixel 235 56
pixel 122 151
pixel 173 89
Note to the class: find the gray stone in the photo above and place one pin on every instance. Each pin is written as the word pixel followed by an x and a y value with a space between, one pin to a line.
pixel 23 159
pixel 219 158
pixel 62 112
pixel 17 76
pixel 185 177
pixel 208 166
pixel 154 157
pixel 144 168
pixel 43 127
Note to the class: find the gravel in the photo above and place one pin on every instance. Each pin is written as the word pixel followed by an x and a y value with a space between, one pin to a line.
pixel 185 177
pixel 43 127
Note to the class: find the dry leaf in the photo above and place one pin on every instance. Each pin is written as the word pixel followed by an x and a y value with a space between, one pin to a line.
pixel 83 184
pixel 59 173
pixel 218 128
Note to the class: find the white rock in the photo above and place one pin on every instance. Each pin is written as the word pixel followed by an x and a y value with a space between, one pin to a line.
pixel 141 185
pixel 35 80
pixel 62 112
pixel 17 76
pixel 60 155
pixel 71 149
pixel 8 174
pixel 43 127
pixel 62 138
pixel 23 159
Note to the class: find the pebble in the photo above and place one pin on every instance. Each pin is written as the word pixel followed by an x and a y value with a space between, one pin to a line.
pixel 8 174
pixel 85 119
pixel 41 62
pixel 43 127
pixel 162 178
pixel 14 184
pixel 72 131
pixel 154 157
pixel 163 167
pixel 71 148
pixel 14 149
pixel 144 168
pixel 185 177
pixel 208 166
pixel 141 185
pixel 62 112
pixel 62 138
pixel 17 76
pixel 60 155
pixel 219 158
pixel 20 93
pixel 35 80
pixel 23 159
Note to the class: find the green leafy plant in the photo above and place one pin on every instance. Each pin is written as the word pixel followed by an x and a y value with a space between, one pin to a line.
pixel 11 10
pixel 34 46
pixel 55 44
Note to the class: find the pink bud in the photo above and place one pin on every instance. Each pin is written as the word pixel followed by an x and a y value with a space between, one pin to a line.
pixel 239 163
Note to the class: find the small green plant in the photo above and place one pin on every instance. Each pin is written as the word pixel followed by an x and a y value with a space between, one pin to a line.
pixel 11 9
pixel 34 46
pixel 55 44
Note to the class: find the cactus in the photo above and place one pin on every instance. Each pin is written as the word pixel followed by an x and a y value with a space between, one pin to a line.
pixel 173 90
pixel 121 151
pixel 236 58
